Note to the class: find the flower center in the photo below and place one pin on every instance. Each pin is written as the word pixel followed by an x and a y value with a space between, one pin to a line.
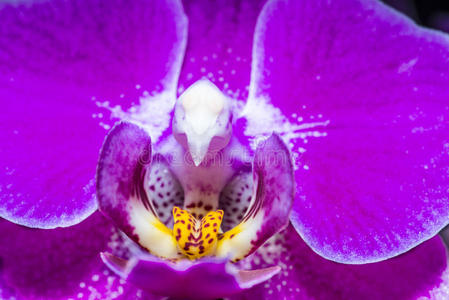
pixel 196 238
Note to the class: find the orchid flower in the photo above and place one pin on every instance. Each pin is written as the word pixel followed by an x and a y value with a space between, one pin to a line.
pixel 243 149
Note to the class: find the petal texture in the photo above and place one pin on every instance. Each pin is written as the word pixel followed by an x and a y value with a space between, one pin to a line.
pixel 206 279
pixel 361 95
pixel 62 63
pixel 38 264
pixel 421 273
pixel 219 44
pixel 62 263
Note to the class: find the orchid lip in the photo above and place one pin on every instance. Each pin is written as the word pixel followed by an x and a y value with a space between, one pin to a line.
pixel 128 192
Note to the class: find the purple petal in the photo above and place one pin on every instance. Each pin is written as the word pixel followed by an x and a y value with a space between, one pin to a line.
pixel 361 94
pixel 272 200
pixel 421 272
pixel 207 279
pixel 123 187
pixel 61 263
pixel 61 63
pixel 52 263
pixel 219 44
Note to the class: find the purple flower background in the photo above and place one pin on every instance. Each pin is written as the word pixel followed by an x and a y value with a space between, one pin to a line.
pixel 356 90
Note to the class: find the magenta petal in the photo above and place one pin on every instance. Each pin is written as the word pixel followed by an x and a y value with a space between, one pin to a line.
pixel 364 92
pixel 219 43
pixel 51 263
pixel 60 263
pixel 206 279
pixel 60 61
pixel 421 272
